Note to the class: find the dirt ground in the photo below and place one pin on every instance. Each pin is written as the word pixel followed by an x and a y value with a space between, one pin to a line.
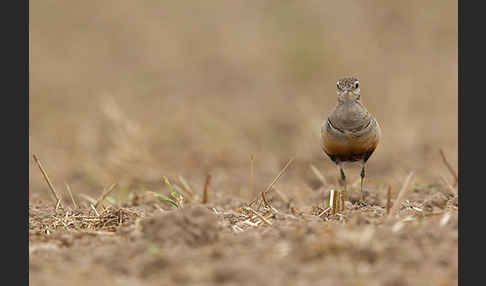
pixel 219 96
pixel 216 244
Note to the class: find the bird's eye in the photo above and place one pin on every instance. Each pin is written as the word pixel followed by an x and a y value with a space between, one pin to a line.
pixel 356 84
pixel 337 85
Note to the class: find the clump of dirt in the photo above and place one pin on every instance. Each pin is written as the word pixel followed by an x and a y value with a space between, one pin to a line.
pixel 195 225
pixel 435 201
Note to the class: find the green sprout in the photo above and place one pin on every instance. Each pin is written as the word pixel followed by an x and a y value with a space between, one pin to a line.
pixel 177 200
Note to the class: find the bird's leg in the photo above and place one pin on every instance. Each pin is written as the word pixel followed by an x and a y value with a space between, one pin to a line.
pixel 342 179
pixel 362 179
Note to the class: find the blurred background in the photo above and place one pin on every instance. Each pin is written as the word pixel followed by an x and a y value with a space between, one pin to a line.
pixel 129 91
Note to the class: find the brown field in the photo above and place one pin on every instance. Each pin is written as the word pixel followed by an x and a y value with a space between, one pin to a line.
pixel 130 92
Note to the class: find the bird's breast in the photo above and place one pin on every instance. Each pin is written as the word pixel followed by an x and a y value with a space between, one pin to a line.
pixel 342 142
pixel 350 116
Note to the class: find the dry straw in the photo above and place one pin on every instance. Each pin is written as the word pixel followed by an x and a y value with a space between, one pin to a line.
pixel 388 200
pixel 187 189
pixel 270 186
pixel 106 192
pixel 252 173
pixel 449 167
pixel 451 188
pixel 396 206
pixel 279 175
pixel 206 189
pixel 71 195
pixel 332 201
pixel 258 215
pixel 48 181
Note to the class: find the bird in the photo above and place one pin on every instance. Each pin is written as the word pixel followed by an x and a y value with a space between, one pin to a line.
pixel 350 133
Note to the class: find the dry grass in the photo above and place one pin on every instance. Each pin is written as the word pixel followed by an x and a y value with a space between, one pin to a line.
pixel 401 195
pixel 48 181
pixel 206 189
pixel 47 226
pixel 82 219
pixel 105 193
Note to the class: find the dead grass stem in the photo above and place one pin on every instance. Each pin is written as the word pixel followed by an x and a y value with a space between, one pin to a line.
pixel 388 200
pixel 449 167
pixel 451 188
pixel 185 186
pixel 396 206
pixel 252 174
pixel 49 183
pixel 258 215
pixel 341 201
pixel 71 195
pixel 206 189
pixel 332 201
pixel 324 211
pixel 279 174
pixel 94 209
pixel 270 186
pixel 100 200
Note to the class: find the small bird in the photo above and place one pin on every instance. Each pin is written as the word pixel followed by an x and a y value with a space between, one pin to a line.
pixel 350 133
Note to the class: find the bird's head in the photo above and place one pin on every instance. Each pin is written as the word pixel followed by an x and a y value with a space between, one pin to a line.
pixel 348 89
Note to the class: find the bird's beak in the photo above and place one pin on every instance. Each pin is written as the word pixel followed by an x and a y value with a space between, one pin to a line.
pixel 348 94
